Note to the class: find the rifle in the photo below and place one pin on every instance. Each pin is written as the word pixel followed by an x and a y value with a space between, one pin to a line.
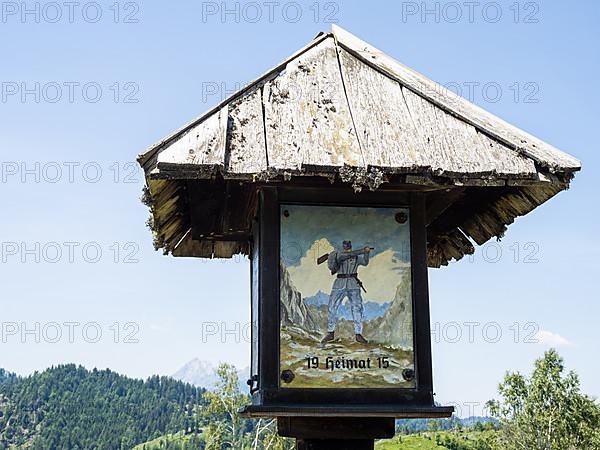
pixel 321 259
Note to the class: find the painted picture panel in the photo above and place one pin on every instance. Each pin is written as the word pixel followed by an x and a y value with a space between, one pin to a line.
pixel 345 298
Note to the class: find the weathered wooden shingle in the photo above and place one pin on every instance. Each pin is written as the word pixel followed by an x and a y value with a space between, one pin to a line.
pixel 308 122
pixel 246 153
pixel 201 147
pixel 387 134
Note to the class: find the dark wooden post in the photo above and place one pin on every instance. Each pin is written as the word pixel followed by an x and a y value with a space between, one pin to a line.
pixel 324 433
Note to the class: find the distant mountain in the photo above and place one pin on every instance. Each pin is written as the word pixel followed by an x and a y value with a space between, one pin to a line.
pixel 372 310
pixel 203 374
pixel 70 407
pixel 197 372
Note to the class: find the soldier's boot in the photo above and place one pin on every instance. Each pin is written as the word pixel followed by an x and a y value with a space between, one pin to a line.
pixel 359 338
pixel 328 337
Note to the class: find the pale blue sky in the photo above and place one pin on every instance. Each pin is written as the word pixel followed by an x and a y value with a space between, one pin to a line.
pixel 173 60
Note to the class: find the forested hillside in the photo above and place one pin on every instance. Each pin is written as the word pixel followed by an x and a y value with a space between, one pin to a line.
pixel 69 407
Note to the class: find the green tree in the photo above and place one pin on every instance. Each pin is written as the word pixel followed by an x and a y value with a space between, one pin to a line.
pixel 223 403
pixel 546 411
pixel 225 428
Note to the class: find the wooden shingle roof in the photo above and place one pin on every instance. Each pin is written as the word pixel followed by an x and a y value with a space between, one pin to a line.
pixel 342 110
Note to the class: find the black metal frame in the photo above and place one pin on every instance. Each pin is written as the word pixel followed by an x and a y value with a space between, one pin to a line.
pixel 268 398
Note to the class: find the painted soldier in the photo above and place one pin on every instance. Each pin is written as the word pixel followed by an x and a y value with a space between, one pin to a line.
pixel 344 265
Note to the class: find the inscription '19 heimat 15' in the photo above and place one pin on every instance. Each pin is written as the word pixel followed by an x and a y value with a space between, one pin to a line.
pixel 332 363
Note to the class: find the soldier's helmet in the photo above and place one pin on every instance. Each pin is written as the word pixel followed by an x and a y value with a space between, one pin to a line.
pixel 347 245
